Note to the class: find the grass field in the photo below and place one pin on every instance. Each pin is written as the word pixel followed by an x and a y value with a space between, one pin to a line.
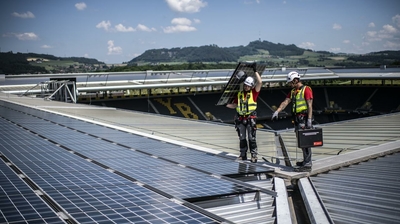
pixel 54 65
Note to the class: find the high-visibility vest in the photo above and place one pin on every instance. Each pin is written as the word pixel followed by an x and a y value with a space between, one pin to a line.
pixel 299 103
pixel 246 105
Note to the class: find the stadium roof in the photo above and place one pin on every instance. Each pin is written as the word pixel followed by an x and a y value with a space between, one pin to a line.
pixel 82 163
pixel 91 82
pixel 74 163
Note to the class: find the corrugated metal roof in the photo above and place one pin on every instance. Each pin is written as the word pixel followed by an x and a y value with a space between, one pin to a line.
pixel 367 192
pixel 76 136
pixel 158 79
pixel 348 136
pixel 363 193
pixel 248 208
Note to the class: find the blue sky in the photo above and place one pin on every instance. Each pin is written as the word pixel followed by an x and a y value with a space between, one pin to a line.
pixel 116 31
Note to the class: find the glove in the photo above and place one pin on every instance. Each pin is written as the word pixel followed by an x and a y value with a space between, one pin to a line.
pixel 275 115
pixel 254 66
pixel 309 123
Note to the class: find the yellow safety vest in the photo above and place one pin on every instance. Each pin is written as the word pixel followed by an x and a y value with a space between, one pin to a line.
pixel 246 105
pixel 299 103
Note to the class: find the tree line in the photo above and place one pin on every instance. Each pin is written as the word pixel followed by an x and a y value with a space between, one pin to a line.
pixel 213 53
pixel 203 58
pixel 17 63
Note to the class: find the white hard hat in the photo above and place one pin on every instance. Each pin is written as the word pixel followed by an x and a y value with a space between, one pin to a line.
pixel 240 74
pixel 292 75
pixel 249 81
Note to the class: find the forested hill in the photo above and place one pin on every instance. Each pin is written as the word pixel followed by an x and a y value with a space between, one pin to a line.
pixel 213 53
pixel 18 63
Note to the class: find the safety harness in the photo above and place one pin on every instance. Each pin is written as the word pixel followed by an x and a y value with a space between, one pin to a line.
pixel 246 105
pixel 298 101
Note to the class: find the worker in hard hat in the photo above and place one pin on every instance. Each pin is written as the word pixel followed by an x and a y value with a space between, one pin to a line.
pixel 301 97
pixel 245 104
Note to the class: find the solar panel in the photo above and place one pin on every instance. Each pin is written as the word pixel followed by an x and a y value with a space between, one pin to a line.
pixel 122 203
pixel 18 202
pixel 74 173
pixel 87 197
pixel 228 168
pixel 146 145
pixel 234 84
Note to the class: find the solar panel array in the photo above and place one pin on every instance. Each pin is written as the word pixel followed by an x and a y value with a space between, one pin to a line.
pixel 18 202
pixel 85 173
pixel 234 84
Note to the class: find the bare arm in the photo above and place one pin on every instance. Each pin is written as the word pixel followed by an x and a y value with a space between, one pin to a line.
pixel 309 104
pixel 231 105
pixel 258 82
pixel 283 105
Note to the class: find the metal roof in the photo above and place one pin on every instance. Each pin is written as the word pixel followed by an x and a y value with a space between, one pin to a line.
pixel 185 133
pixel 59 156
pixel 366 192
pixel 88 82
pixel 349 155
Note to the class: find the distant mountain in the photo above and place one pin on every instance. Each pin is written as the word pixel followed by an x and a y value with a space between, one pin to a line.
pixel 382 56
pixel 188 58
pixel 25 63
pixel 210 53
pixel 213 53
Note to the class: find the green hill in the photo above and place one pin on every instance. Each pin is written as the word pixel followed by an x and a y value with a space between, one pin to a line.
pixel 32 63
pixel 274 55
pixel 213 53
pixel 203 57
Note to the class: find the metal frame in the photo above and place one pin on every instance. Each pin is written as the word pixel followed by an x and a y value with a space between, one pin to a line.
pixel 64 91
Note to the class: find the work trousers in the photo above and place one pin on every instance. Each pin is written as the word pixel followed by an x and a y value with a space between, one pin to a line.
pixel 301 123
pixel 246 129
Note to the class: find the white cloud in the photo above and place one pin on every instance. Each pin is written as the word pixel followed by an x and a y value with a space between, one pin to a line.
pixel 26 36
pixel 178 29
pixel 106 25
pixel 365 44
pixel 389 29
pixel 80 6
pixel 46 46
pixel 27 15
pixel 372 36
pixel 187 6
pixel 336 26
pixel 335 49
pixel 113 49
pixel 103 24
pixel 392 45
pixel 396 20
pixel 86 55
pixel 181 21
pixel 387 32
pixel 307 45
pixel 122 28
pixel 346 41
pixel 371 24
pixel 180 25
pixel 144 28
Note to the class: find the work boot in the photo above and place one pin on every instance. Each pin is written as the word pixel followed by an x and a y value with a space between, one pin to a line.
pixel 306 168
pixel 242 158
pixel 254 159
pixel 299 163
